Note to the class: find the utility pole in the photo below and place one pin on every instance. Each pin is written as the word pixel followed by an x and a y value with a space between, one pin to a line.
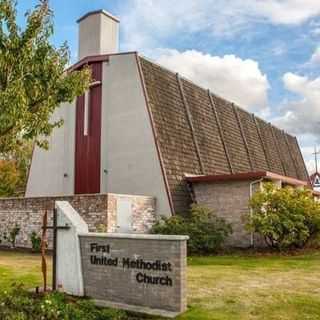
pixel 316 152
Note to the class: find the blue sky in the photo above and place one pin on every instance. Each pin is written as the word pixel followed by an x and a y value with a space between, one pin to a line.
pixel 263 55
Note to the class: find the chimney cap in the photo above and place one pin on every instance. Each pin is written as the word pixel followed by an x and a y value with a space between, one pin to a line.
pixel 109 15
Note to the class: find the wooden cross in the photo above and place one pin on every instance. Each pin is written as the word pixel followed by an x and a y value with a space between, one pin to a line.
pixel 55 229
pixel 316 157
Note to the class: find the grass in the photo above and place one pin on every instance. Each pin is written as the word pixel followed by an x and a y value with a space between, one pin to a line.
pixel 238 287
pixel 21 268
pixel 254 287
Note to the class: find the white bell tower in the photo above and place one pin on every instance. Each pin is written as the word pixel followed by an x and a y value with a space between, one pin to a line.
pixel 98 34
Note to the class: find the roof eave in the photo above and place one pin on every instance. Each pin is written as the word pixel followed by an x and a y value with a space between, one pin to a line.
pixel 244 176
pixel 96 58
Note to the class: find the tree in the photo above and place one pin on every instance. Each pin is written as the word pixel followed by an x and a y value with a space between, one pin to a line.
pixel 9 177
pixel 284 217
pixel 22 159
pixel 14 168
pixel 33 77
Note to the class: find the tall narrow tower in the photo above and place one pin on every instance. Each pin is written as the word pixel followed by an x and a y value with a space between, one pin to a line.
pixel 98 34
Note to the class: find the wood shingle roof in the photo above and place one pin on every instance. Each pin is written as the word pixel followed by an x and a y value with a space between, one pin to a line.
pixel 200 133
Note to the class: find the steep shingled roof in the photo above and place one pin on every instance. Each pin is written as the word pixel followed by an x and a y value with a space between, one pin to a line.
pixel 200 133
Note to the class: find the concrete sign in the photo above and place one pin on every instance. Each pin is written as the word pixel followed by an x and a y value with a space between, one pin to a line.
pixel 138 272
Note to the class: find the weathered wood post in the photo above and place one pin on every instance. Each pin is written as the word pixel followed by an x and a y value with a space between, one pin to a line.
pixel 55 229
pixel 43 250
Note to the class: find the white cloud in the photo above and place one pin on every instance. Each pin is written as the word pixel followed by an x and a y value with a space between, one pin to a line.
pixel 235 79
pixel 315 59
pixel 315 32
pixel 146 22
pixel 286 11
pixel 302 115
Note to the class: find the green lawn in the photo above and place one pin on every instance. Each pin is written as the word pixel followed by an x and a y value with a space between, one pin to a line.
pixel 21 268
pixel 224 287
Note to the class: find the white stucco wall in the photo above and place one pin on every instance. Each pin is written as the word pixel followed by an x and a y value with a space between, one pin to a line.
pixel 48 167
pixel 98 34
pixel 129 160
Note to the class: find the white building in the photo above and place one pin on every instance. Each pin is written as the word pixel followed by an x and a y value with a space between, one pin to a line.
pixel 141 128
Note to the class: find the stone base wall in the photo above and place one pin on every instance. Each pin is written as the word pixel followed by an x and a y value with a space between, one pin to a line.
pixel 96 210
pixel 229 200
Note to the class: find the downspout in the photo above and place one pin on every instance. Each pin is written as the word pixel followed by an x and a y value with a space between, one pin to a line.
pixel 192 193
pixel 251 194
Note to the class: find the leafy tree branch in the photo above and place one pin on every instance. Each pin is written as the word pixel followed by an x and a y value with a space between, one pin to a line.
pixel 33 80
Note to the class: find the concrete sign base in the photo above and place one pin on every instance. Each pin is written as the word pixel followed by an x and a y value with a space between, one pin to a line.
pixel 136 272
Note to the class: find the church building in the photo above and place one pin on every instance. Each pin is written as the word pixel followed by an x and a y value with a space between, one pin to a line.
pixel 144 130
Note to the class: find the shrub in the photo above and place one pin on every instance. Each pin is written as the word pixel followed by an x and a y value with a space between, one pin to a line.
pixel 9 235
pixel 18 303
pixel 35 241
pixel 207 232
pixel 101 228
pixel 284 217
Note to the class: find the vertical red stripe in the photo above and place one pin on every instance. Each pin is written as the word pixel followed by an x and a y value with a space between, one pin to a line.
pixel 88 148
